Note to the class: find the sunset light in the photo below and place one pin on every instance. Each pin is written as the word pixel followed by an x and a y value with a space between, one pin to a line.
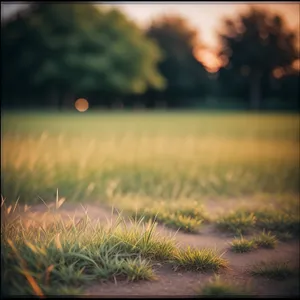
pixel 206 18
pixel 209 59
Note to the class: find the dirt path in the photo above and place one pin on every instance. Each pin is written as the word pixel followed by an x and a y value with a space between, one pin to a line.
pixel 170 283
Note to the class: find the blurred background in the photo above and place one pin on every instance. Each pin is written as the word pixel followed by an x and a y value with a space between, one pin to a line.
pixel 150 56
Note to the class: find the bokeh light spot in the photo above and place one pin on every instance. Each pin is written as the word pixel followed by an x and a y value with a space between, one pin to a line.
pixel 278 73
pixel 81 104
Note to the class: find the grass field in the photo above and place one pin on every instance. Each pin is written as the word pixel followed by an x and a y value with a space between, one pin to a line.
pixel 161 166
pixel 157 155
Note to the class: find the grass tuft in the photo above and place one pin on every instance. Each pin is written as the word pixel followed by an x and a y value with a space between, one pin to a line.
pixel 278 222
pixel 199 260
pixel 238 222
pixel 284 236
pixel 272 270
pixel 265 240
pixel 181 222
pixel 41 259
pixel 241 245
pixel 138 269
pixel 242 221
pixel 217 288
pixel 187 217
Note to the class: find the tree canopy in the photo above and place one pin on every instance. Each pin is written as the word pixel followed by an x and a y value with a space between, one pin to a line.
pixel 53 54
pixel 77 48
pixel 255 43
pixel 178 40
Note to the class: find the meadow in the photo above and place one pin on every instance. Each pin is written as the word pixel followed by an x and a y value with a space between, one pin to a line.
pixel 157 155
pixel 154 166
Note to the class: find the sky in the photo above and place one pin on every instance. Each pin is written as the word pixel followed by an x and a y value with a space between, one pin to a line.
pixel 207 18
pixel 7 9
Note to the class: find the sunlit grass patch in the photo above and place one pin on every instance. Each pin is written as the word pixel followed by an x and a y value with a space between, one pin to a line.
pixel 41 259
pixel 246 221
pixel 181 222
pixel 187 217
pixel 265 240
pixel 71 266
pixel 138 269
pixel 279 222
pixel 262 240
pixel 241 245
pixel 189 208
pixel 199 260
pixel 144 240
pixel 273 270
pixel 171 156
pixel 218 288
pixel 238 222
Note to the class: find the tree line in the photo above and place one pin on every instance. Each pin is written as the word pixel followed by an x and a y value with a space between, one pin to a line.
pixel 57 53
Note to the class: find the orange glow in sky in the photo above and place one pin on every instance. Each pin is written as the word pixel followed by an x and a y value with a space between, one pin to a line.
pixel 209 59
pixel 207 18
pixel 296 64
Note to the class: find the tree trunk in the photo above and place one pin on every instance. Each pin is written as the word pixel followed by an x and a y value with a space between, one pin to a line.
pixel 60 102
pixel 255 90
pixel 66 100
pixel 54 98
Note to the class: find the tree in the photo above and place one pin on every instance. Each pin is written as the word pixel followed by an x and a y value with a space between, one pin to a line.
pixel 184 73
pixel 255 44
pixel 231 86
pixel 77 49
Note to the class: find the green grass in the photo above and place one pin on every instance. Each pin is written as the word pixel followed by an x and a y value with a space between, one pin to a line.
pixel 218 288
pixel 169 156
pixel 265 240
pixel 61 256
pixel 152 165
pixel 262 240
pixel 285 236
pixel 183 214
pixel 279 222
pixel 199 260
pixel 39 259
pixel 241 245
pixel 152 157
pixel 239 222
pixel 246 221
pixel 273 270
